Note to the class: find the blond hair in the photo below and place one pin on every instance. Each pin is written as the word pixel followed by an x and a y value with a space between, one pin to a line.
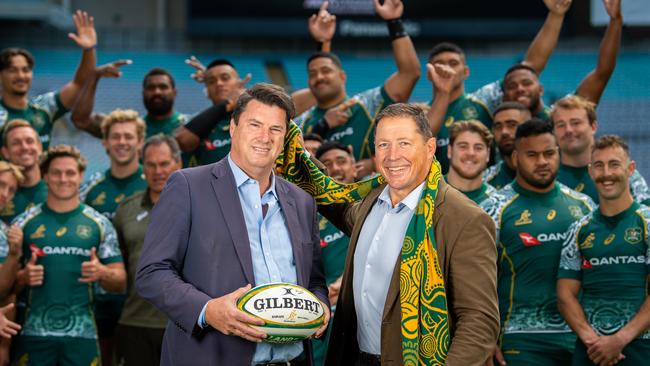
pixel 15 170
pixel 576 102
pixel 12 125
pixel 123 116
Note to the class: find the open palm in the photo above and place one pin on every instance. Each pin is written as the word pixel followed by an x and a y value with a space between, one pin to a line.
pixel 86 37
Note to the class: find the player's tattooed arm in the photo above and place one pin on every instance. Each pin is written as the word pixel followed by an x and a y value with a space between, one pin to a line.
pixel 86 39
pixel 593 85
pixel 542 47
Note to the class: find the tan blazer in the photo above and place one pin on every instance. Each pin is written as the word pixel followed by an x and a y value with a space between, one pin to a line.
pixel 468 257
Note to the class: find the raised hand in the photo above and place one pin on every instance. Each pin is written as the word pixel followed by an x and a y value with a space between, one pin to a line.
pixel 559 7
pixel 7 327
pixel 322 26
pixel 199 69
pixel 613 8
pixel 340 114
pixel 92 270
pixel 442 76
pixel 222 314
pixel 86 37
pixel 111 69
pixel 33 274
pixel 390 9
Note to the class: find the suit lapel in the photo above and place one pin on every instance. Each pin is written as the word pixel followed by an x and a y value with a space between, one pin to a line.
pixel 288 205
pixel 224 186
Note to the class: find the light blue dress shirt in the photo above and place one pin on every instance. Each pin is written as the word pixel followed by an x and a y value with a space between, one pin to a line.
pixel 271 251
pixel 379 245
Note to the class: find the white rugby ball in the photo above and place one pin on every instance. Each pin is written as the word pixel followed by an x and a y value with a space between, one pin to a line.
pixel 291 313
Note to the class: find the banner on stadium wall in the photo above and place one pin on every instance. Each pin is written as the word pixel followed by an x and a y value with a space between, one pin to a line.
pixel 635 13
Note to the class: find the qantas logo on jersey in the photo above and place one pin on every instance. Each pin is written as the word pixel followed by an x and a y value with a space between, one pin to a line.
pixel 66 251
pixel 620 259
pixel 215 144
pixel 528 240
pixel 332 237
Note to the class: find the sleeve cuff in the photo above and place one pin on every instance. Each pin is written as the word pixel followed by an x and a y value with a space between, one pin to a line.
pixel 201 321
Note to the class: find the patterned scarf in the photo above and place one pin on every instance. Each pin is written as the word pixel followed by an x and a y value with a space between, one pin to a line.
pixel 425 327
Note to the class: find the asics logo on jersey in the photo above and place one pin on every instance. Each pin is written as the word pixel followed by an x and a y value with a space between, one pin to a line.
pixel 61 231
pixel 524 219
pixel 620 259
pixel 633 235
pixel 551 215
pixel 449 121
pixel 609 239
pixel 579 187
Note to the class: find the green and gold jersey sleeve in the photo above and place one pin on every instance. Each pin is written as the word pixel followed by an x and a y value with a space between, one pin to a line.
pixel 639 188
pixel 108 248
pixel 499 175
pixel 4 242
pixel 24 199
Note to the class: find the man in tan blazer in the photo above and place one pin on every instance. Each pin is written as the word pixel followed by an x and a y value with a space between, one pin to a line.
pixel 367 325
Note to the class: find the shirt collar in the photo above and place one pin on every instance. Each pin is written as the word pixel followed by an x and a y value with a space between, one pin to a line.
pixel 410 201
pixel 242 178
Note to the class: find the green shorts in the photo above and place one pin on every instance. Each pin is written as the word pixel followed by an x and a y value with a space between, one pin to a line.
pixel 538 349
pixel 55 351
pixel 636 353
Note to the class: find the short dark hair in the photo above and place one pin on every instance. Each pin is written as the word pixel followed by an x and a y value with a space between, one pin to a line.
pixel 533 127
pixel 407 110
pixel 7 54
pixel 445 47
pixel 162 139
pixel 607 141
pixel 219 62
pixel 269 94
pixel 312 137
pixel 520 66
pixel 158 71
pixel 62 151
pixel 510 105
pixel 335 59
pixel 331 145
pixel 471 125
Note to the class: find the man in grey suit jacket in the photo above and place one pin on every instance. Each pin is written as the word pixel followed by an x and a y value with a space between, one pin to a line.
pixel 220 228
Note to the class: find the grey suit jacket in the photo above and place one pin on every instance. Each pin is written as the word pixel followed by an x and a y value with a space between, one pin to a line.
pixel 196 248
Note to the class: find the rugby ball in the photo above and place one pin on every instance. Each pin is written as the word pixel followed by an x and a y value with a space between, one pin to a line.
pixel 291 313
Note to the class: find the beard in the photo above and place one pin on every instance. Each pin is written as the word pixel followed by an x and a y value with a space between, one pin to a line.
pixel 540 183
pixel 466 175
pixel 158 106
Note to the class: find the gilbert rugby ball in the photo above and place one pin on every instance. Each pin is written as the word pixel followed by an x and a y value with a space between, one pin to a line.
pixel 292 313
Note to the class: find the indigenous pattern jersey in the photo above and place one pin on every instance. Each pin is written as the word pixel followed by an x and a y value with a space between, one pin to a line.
pixel 610 256
pixel 358 131
pixel 499 174
pixel 24 199
pixel 103 192
pixel 579 180
pixel 492 94
pixel 334 247
pixel 4 242
pixel 531 228
pixel 62 306
pixel 462 109
pixel 216 146
pixel 167 127
pixel 41 112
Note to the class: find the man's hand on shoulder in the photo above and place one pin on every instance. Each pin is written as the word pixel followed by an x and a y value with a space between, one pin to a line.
pixel 222 314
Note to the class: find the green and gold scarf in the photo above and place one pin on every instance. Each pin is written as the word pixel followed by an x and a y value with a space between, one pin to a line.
pixel 425 327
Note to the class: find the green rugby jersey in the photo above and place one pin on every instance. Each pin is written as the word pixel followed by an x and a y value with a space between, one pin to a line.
pixel 463 108
pixel 4 242
pixel 358 131
pixel 167 127
pixel 499 175
pixel 610 256
pixel 103 192
pixel 62 307
pixel 334 248
pixel 25 198
pixel 579 180
pixel 491 95
pixel 217 145
pixel 41 112
pixel 531 228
